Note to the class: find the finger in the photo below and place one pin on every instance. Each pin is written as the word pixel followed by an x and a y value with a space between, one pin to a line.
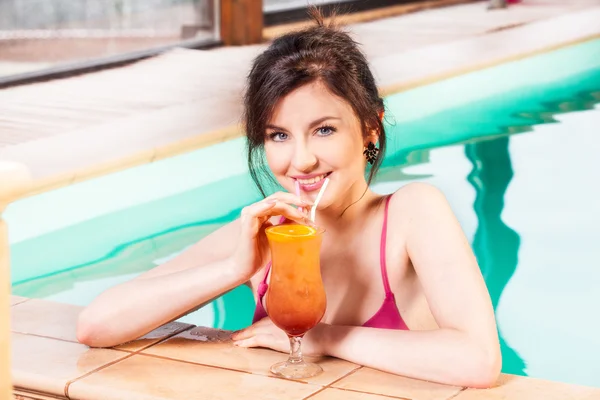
pixel 290 198
pixel 263 321
pixel 243 334
pixel 253 210
pixel 265 225
pixel 256 341
pixel 250 342
pixel 286 211
pixel 278 202
pixel 254 329
pixel 256 215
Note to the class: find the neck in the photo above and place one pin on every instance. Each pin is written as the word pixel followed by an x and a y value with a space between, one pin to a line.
pixel 357 203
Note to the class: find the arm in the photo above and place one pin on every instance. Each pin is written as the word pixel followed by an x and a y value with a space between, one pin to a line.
pixel 464 351
pixel 223 260
pixel 193 278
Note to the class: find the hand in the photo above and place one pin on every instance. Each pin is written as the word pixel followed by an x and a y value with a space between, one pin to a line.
pixel 264 333
pixel 253 247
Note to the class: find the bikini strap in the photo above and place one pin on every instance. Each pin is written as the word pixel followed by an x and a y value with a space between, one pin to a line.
pixel 382 250
pixel 263 286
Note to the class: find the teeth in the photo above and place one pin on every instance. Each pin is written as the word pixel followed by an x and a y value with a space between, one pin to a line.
pixel 311 180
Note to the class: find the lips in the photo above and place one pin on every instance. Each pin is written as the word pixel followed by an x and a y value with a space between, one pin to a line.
pixel 312 183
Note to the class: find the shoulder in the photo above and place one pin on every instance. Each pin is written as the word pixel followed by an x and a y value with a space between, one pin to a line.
pixel 420 207
pixel 417 197
pixel 425 216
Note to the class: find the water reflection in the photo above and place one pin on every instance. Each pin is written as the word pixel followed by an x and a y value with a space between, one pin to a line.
pixel 495 244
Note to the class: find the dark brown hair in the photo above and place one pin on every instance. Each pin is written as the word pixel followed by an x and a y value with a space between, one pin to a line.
pixel 320 53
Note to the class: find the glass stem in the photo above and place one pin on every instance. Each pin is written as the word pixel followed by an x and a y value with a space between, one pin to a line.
pixel 295 350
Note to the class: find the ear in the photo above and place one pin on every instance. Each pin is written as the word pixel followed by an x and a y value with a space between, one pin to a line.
pixel 372 137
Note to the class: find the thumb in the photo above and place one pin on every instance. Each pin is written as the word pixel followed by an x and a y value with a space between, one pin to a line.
pixel 261 340
pixel 265 225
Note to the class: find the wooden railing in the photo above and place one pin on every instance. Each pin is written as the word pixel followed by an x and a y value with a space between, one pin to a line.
pixel 241 22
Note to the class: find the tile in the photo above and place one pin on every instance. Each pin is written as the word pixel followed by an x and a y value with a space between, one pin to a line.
pixel 45 318
pixel 144 377
pixel 213 347
pixel 14 300
pixel 377 382
pixel 46 365
pixel 340 394
pixel 25 395
pixel 154 337
pixel 525 388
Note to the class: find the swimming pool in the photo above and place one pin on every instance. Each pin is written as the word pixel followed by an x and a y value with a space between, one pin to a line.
pixel 513 147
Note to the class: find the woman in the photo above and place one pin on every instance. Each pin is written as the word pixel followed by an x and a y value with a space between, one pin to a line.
pixel 404 291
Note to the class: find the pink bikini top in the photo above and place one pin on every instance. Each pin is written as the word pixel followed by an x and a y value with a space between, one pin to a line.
pixel 388 316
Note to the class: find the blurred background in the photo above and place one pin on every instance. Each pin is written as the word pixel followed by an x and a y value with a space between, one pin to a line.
pixel 40 34
pixel 36 34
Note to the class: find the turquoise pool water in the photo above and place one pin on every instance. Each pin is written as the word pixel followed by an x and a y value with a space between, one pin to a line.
pixel 514 148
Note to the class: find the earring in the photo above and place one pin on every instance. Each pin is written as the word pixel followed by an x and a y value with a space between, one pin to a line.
pixel 371 153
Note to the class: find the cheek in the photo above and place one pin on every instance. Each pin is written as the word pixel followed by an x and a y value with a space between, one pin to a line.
pixel 277 159
pixel 345 154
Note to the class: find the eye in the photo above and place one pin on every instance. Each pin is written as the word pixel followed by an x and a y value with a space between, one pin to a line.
pixel 325 130
pixel 278 136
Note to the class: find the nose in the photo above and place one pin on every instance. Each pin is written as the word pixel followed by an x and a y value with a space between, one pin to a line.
pixel 304 159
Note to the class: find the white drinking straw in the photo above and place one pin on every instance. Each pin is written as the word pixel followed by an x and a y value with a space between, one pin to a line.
pixel 313 210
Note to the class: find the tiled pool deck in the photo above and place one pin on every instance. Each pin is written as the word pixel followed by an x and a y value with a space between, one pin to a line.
pixel 180 361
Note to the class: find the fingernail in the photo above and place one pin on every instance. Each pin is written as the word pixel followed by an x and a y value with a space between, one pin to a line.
pixel 272 201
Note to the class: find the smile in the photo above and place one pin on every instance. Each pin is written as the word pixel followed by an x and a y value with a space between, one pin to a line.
pixel 312 180
pixel 312 183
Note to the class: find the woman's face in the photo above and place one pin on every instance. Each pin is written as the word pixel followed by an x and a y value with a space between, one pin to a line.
pixel 312 135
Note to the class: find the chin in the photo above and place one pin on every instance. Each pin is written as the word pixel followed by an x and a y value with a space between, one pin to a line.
pixel 327 200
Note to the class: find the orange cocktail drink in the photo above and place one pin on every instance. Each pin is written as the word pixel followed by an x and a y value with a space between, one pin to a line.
pixel 296 299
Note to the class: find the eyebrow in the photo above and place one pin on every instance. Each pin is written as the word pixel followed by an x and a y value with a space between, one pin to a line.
pixel 311 125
